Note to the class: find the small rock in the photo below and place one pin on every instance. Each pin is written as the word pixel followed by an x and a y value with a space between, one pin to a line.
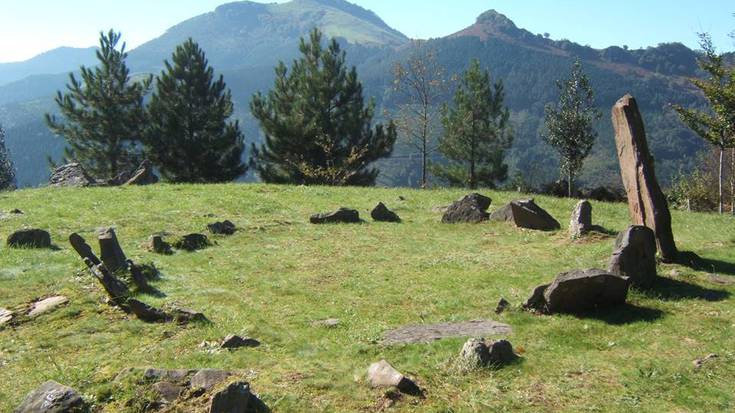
pixel 581 221
pixel 503 305
pixel 477 353
pixel 157 245
pixel 698 363
pixel 222 228
pixel 16 211
pixel 29 238
pixel 208 378
pixel 168 392
pixel 52 397
pixel 328 323
pixel 342 215
pixel 192 242
pixel 382 374
pixel 234 341
pixel 5 316
pixel 401 198
pixel 47 305
pixel 381 213
pixel 470 209
pixel 525 213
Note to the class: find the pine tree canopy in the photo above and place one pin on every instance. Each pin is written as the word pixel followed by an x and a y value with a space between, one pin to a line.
pixel 190 138
pixel 104 113
pixel 476 132
pixel 318 129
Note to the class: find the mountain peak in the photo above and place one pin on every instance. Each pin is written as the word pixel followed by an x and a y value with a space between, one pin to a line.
pixel 495 19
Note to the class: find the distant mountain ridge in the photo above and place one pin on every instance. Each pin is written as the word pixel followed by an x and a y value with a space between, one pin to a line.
pixel 59 60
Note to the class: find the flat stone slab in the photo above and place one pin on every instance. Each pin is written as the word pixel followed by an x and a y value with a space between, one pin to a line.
pixel 5 316
pixel 427 333
pixel 47 305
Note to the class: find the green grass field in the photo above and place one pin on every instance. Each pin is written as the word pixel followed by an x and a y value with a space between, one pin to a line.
pixel 279 273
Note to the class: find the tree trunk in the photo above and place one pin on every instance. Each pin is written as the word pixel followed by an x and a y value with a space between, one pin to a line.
pixel 424 181
pixel 732 181
pixel 721 199
pixel 570 185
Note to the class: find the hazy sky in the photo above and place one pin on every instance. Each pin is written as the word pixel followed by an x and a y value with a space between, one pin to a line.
pixel 29 27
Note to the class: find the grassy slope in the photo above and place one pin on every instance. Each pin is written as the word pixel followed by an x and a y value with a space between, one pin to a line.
pixel 278 274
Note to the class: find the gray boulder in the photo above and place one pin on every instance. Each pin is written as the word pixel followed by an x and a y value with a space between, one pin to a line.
pixel 207 378
pixel 382 374
pixel 526 214
pixel 478 353
pixel 72 174
pixel 52 397
pixel 581 221
pixel 635 256
pixel 471 208
pixel 381 213
pixel 340 216
pixel 578 291
pixel 29 238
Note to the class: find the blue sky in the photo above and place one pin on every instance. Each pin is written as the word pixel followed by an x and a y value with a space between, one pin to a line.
pixel 29 27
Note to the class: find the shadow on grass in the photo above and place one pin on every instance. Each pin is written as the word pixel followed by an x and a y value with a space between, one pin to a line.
pixel 695 262
pixel 604 231
pixel 674 290
pixel 624 314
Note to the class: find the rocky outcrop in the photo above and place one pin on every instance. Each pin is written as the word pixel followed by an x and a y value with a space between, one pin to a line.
pixel 470 209
pixel 579 291
pixel 526 214
pixel 52 397
pixel 635 256
pixel 646 202
pixel 72 174
pixel 340 216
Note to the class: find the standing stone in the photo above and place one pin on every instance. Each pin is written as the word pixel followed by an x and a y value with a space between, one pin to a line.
pixel 111 253
pixel 635 256
pixel 29 238
pixel 52 397
pixel 646 202
pixel 581 221
pixel 235 398
pixel 157 245
pixel 381 213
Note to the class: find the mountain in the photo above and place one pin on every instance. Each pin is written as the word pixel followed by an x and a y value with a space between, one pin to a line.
pixel 60 60
pixel 245 40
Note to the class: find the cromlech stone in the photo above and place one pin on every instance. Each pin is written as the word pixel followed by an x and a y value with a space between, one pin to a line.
pixel 47 305
pixel 157 245
pixel 382 374
pixel 381 213
pixel 174 375
pixel 186 315
pixel 111 253
pixel 207 378
pixel 222 228
pixel 427 333
pixel 635 256
pixel 52 397
pixel 16 211
pixel 646 202
pixel 579 291
pixel 526 214
pixel 328 323
pixel 234 341
pixel 235 398
pixel 168 392
pixel 144 175
pixel 6 316
pixel 471 209
pixel 478 353
pixel 340 216
pixel 147 313
pixel 192 242
pixel 72 174
pixel 503 305
pixel 581 221
pixel 29 238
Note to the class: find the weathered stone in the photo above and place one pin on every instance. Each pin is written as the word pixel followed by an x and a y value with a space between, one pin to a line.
pixel 111 252
pixel 192 242
pixel 222 228
pixel 340 216
pixel 207 378
pixel 503 305
pixel 52 397
pixel 47 305
pixel 635 256
pixel 29 238
pixel 426 333
pixel 171 375
pixel 72 174
pixel 526 214
pixel 157 245
pixel 381 213
pixel 234 341
pixel 580 290
pixel 581 221
pixel 147 313
pixel 186 315
pixel 6 316
pixel 646 202
pixel 471 208
pixel 16 211
pixel 477 353
pixel 144 175
pixel 328 323
pixel 83 249
pixel 382 374
pixel 235 398
pixel 698 363
pixel 168 392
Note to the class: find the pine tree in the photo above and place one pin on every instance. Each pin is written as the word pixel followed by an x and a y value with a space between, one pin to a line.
pixel 190 139
pixel 104 113
pixel 569 124
pixel 716 125
pixel 318 129
pixel 476 132
pixel 7 169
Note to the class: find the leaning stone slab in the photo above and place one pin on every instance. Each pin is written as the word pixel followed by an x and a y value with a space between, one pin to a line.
pixel 340 216
pixel 525 213
pixel 29 238
pixel 52 397
pixel 471 209
pixel 144 175
pixel 47 305
pixel 635 256
pixel 426 333
pixel 381 213
pixel 646 202
pixel 578 291
pixel 382 374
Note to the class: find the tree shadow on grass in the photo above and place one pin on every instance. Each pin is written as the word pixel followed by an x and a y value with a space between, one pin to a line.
pixel 695 262
pixel 624 314
pixel 667 289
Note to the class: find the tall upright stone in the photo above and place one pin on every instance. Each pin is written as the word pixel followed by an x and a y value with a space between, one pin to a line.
pixel 646 202
pixel 581 221
pixel 110 251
